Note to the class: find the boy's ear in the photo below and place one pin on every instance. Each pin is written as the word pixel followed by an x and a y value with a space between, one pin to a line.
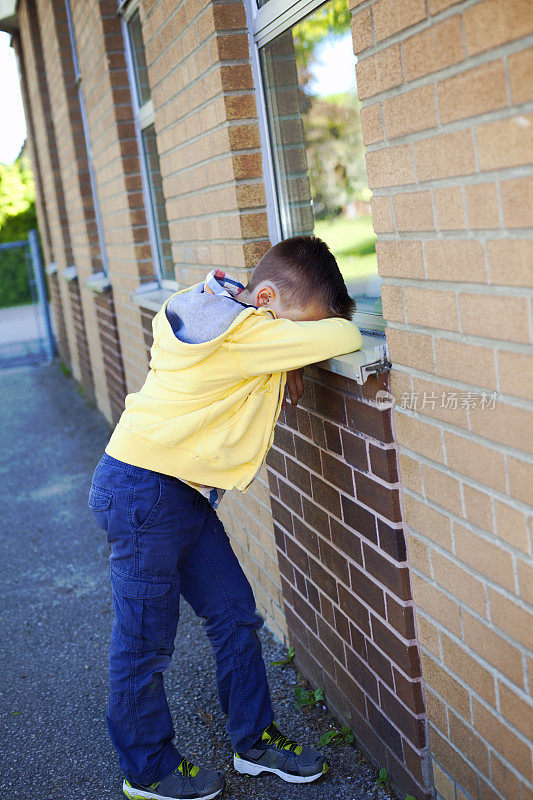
pixel 265 295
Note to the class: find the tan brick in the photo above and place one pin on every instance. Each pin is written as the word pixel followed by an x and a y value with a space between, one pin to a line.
pixel 482 205
pixel 435 48
pixel 379 72
pixel 472 92
pixel 439 5
pixel 500 317
pixel 516 709
pixel 432 400
pixel 444 684
pixel 436 711
pixel 432 308
pixel 432 524
pixel 468 669
pixel 465 362
pixel 517 202
pixel 400 259
pixel 454 259
pixel 510 261
pixel 454 763
pixel 415 434
pixel 410 472
pixel 392 300
pixel 504 780
pixel 495 22
pixel 414 211
pixel 511 618
pixel 502 738
pixel 456 580
pixel 487 558
pixel 516 374
pixel 445 156
pixel 391 166
pixel 516 132
pixel 520 479
pixel 382 218
pixel 443 784
pixel 520 67
pixel 478 508
pixel 418 553
pixel 362 35
pixel 411 111
pixel 411 349
pixel 391 16
pixel 449 208
pixel 511 525
pixel 466 456
pixel 428 634
pixel 467 740
pixel 504 423
pixel 400 385
pixel 372 124
pixel 437 605
pixel 442 489
pixel 493 648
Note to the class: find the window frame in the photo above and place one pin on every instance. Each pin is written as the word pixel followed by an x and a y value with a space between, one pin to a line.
pixel 265 23
pixel 143 116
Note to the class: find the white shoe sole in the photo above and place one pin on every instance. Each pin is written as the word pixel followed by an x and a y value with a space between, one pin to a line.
pixel 141 794
pixel 249 768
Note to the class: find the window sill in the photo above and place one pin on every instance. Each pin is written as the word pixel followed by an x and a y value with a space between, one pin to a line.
pixel 70 274
pixel 369 360
pixel 151 297
pixel 98 282
pixel 51 269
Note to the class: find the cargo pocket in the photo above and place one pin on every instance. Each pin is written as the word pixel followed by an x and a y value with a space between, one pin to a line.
pixel 99 503
pixel 142 611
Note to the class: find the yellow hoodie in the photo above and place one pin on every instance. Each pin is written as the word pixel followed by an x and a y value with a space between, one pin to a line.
pixel 206 412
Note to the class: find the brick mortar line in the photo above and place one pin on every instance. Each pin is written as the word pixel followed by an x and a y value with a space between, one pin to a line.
pixel 517 505
pixel 471 123
pixel 470 61
pixel 459 287
pixel 419 679
pixel 225 124
pixel 502 173
pixel 516 402
pixel 456 336
pixel 476 438
pixel 343 493
pixel 471 691
pixel 481 532
pixel 516 599
pixel 387 592
pixel 465 234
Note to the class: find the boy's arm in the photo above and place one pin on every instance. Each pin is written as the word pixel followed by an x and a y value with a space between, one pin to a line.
pixel 267 345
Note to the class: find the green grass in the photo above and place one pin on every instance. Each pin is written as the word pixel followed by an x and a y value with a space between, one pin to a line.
pixel 352 242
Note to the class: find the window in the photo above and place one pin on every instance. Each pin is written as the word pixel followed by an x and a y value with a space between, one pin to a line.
pixel 148 155
pixel 305 66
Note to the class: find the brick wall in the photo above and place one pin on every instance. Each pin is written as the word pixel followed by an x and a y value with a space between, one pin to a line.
pixel 341 548
pixel 111 352
pixel 448 130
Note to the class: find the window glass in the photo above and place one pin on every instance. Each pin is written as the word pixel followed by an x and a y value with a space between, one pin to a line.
pixel 315 129
pixel 139 61
pixel 158 201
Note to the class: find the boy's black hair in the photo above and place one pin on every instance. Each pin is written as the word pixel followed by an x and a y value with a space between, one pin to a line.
pixel 305 271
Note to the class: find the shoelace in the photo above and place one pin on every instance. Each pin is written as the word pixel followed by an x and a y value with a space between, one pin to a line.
pixel 186 769
pixel 281 741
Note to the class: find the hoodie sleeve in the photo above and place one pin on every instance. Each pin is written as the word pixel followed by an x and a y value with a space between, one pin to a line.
pixel 264 345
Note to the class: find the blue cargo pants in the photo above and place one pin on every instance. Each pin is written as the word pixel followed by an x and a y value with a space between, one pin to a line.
pixel 166 541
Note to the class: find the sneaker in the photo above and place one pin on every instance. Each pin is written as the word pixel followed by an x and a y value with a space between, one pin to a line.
pixel 187 782
pixel 275 753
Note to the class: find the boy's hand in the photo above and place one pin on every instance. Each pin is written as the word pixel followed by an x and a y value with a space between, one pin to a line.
pixel 295 385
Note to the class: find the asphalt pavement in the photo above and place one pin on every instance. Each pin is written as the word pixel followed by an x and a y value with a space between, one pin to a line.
pixel 56 617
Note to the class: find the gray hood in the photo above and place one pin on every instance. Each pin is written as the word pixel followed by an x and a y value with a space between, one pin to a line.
pixel 197 316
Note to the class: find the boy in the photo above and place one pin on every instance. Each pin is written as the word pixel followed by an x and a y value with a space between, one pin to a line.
pixel 202 423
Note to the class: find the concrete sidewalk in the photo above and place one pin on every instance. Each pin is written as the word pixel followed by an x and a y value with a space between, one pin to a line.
pixel 56 617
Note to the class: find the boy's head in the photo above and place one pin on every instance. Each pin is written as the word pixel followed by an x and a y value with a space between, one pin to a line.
pixel 299 279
